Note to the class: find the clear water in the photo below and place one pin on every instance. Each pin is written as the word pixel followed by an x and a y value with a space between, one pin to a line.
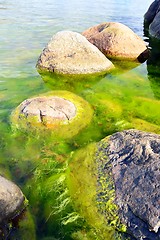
pixel 132 93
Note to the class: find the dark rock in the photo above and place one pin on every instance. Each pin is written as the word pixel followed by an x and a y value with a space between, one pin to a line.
pixel 152 20
pixel 134 159
pixel 154 30
pixel 151 12
pixel 11 200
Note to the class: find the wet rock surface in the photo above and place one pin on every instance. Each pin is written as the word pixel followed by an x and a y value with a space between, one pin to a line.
pixel 134 159
pixel 11 200
pixel 117 41
pixel 70 53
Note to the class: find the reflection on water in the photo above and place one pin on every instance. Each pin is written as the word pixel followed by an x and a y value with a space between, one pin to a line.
pixel 125 98
pixel 153 66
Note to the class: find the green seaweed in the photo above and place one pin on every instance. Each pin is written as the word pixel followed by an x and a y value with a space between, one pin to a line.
pixel 85 184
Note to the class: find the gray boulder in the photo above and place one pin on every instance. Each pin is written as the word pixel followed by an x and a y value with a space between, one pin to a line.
pixel 151 12
pixel 70 53
pixel 154 28
pixel 133 157
pixel 11 200
pixel 152 19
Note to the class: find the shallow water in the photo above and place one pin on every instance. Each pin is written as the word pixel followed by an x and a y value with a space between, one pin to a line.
pixel 127 98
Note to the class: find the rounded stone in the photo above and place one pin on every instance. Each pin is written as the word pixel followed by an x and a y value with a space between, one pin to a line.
pixel 11 200
pixel 60 111
pixel 48 109
pixel 117 41
pixel 70 53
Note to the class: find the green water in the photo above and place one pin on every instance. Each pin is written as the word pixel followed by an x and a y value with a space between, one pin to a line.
pixel 128 97
pixel 123 99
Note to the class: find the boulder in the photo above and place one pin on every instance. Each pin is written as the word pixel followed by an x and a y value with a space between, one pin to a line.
pixel 11 200
pixel 124 192
pixel 152 19
pixel 117 41
pixel 70 53
pixel 154 27
pixel 60 112
pixel 151 12
pixel 134 157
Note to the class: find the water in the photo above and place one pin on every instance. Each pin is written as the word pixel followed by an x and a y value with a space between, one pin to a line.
pixel 122 100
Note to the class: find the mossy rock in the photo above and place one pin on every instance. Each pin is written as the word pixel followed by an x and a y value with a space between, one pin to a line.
pixel 60 113
pixel 115 182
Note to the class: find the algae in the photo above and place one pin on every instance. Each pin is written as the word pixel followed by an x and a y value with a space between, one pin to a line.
pixel 25 227
pixel 74 83
pixel 145 126
pixel 146 109
pixel 93 193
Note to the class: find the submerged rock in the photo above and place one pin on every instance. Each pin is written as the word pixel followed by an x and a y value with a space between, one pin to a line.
pixel 124 193
pixel 11 200
pixel 70 53
pixel 60 111
pixel 117 41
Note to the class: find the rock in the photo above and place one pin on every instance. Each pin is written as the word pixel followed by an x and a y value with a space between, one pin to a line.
pixel 70 53
pixel 117 41
pixel 124 192
pixel 155 26
pixel 60 111
pixel 151 12
pixel 48 109
pixel 152 19
pixel 134 158
pixel 11 200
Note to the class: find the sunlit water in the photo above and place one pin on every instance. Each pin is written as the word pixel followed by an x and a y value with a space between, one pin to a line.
pixel 25 28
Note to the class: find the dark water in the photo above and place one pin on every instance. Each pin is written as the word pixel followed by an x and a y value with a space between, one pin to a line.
pixel 130 97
